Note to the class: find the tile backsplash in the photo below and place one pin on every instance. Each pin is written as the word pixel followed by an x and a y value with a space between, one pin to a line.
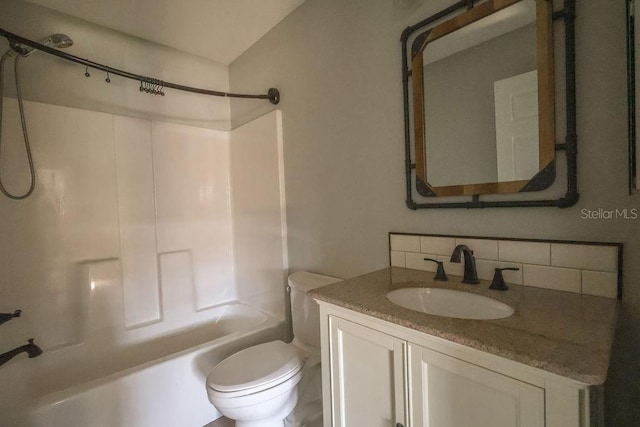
pixel 580 267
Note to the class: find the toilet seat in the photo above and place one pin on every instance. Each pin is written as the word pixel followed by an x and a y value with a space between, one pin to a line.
pixel 248 398
pixel 255 369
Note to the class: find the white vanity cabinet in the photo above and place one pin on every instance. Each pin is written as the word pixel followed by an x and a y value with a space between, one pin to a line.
pixel 377 373
pixel 447 392
pixel 367 376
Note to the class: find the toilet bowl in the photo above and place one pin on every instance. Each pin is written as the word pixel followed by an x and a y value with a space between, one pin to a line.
pixel 257 387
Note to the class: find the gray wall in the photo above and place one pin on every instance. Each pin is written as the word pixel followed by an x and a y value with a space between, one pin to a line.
pixel 338 67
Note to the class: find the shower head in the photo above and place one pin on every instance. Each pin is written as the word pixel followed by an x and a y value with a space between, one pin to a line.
pixel 60 41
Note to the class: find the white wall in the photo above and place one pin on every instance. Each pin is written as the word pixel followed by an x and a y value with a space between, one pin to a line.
pixel 55 81
pixel 130 237
pixel 127 238
pixel 338 67
pixel 259 220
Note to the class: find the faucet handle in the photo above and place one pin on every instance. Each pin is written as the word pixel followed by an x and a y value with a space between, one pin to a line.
pixel 498 284
pixel 440 274
pixel 5 317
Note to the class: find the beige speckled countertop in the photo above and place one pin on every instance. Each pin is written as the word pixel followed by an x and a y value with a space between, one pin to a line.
pixel 561 332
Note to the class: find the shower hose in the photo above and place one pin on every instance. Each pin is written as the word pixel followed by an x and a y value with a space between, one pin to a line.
pixel 27 146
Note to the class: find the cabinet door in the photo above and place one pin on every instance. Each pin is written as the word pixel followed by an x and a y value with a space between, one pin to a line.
pixel 447 392
pixel 367 376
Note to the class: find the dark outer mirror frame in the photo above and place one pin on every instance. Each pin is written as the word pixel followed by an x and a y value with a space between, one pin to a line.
pixel 416 171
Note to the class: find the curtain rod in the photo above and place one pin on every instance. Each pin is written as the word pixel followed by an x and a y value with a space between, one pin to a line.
pixel 273 95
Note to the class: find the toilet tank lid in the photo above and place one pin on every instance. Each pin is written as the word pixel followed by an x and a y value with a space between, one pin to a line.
pixel 304 281
pixel 255 366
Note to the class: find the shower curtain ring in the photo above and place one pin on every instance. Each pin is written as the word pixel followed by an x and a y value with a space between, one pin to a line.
pixel 108 80
pixel 86 72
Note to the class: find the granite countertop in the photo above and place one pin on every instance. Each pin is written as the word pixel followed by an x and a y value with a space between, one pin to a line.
pixel 561 332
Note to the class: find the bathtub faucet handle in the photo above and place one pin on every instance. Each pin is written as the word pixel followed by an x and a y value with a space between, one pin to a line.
pixel 5 317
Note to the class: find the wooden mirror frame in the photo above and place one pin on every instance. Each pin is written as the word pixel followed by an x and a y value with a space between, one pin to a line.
pixel 416 170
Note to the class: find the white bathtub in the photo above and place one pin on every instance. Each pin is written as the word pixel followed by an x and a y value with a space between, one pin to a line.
pixel 168 390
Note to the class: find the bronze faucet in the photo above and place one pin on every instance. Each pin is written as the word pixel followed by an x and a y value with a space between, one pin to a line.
pixel 470 273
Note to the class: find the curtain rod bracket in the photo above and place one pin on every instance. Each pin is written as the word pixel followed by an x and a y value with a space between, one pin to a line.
pixel 274 96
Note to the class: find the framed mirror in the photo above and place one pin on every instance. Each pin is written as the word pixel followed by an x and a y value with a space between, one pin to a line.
pixel 481 78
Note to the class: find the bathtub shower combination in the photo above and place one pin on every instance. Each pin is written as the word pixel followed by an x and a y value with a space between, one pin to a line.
pixel 168 390
pixel 134 253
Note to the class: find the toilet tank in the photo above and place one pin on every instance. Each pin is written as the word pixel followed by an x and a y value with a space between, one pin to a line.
pixel 305 313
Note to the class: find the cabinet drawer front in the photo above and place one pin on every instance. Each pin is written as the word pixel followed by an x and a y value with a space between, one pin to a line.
pixel 367 376
pixel 447 392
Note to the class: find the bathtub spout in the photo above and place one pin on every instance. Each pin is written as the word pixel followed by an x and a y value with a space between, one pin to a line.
pixel 31 349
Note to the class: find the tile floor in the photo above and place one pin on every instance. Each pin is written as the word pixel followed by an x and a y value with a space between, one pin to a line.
pixel 222 422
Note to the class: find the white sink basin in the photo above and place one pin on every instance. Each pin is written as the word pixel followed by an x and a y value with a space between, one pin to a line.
pixel 450 303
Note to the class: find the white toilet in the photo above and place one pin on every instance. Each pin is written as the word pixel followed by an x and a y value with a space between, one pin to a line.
pixel 258 386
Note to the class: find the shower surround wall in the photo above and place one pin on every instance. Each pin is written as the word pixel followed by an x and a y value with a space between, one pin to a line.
pixel 129 237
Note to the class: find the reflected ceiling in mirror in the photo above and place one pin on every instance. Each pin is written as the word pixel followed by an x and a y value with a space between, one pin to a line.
pixel 484 101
